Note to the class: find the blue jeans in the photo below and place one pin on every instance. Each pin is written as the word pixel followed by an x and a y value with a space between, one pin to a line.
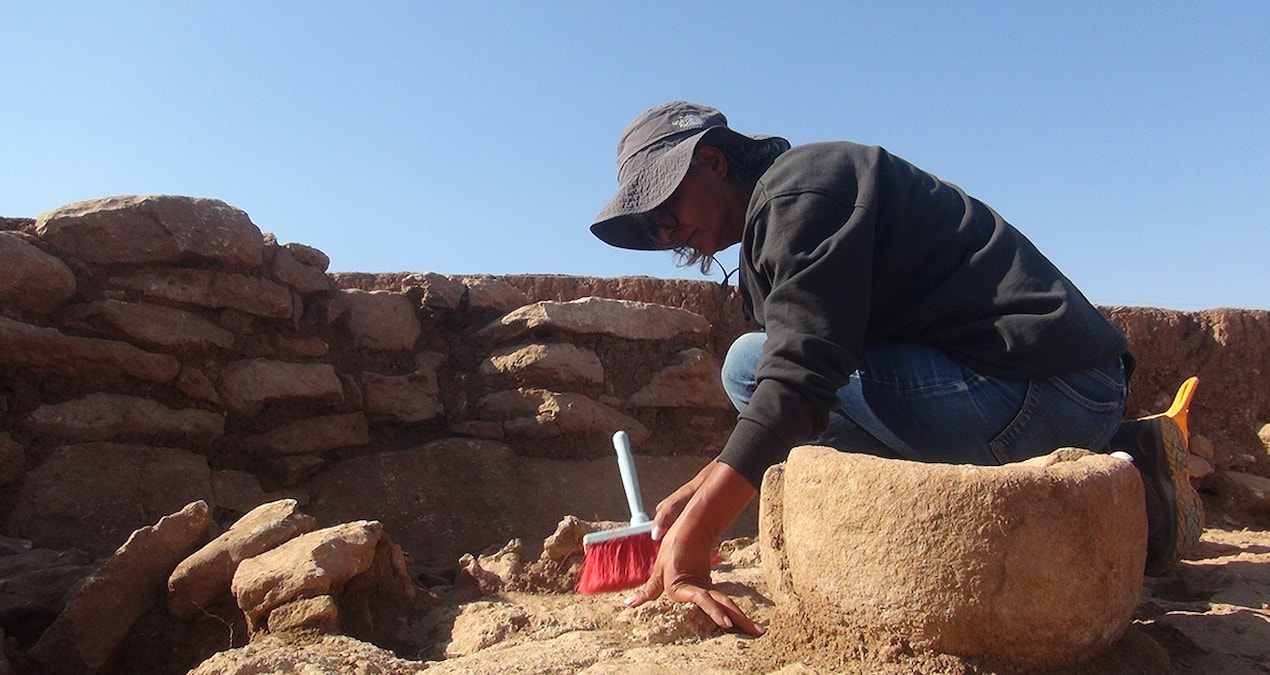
pixel 917 403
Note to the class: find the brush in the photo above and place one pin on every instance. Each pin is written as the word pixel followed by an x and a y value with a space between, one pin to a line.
pixel 623 557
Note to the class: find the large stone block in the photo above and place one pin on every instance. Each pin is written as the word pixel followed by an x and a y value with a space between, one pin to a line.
pixel 117 417
pixel 216 289
pixel 152 229
pixel 1032 566
pixel 91 495
pixel 312 435
pixel 33 280
pixel 692 381
pixel 48 351
pixel 150 325
pixel 247 386
pixel 556 363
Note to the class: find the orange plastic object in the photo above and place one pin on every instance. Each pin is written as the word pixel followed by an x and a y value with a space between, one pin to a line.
pixel 1182 405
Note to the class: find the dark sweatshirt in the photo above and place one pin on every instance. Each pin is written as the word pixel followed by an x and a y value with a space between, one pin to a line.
pixel 847 245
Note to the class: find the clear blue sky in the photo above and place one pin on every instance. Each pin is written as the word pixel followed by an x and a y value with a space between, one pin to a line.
pixel 1130 141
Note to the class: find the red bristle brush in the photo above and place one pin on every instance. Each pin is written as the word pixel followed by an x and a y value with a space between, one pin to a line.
pixel 620 558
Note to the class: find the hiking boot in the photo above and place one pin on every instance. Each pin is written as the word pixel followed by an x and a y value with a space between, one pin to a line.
pixel 1175 515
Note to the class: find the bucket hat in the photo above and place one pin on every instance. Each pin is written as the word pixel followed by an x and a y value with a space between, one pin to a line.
pixel 652 158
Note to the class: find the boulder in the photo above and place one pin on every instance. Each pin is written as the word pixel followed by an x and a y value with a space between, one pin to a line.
pixel 312 564
pixel 203 579
pixel 153 229
pixel 92 495
pixel 538 414
pixel 487 292
pixel 405 399
pixel 597 316
pixel 1029 566
pixel 303 278
pixel 33 281
pixel 247 386
pixel 88 635
pixel 118 417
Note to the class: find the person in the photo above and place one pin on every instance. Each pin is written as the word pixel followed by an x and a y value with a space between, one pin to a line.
pixel 900 317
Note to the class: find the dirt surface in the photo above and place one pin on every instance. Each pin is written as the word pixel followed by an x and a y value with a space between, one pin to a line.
pixel 1208 616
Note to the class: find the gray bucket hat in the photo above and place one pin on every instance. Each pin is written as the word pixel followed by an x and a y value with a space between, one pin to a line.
pixel 652 158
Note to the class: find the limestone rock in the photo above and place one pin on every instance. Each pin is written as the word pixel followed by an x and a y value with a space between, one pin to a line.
pixel 91 495
pixel 382 321
pixel 312 564
pixel 556 363
pixel 439 290
pixel 328 654
pixel 216 289
pixel 537 414
pixel 1033 566
pixel 87 636
pixel 692 381
pixel 312 435
pixel 33 281
pixel 140 323
pixel 117 417
pixel 319 614
pixel 203 579
pixel 247 386
pixel 153 229
pixel 599 316
pixel 48 351
pixel 307 255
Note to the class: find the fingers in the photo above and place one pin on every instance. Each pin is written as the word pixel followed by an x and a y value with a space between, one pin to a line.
pixel 649 591
pixel 721 609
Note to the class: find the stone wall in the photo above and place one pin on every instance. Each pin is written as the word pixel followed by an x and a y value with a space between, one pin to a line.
pixel 159 350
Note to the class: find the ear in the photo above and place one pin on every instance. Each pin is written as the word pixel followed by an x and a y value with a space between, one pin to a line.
pixel 711 160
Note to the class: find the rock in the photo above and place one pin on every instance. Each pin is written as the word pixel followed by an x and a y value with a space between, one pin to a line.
pixel 238 491
pixel 480 625
pixel 87 636
pixel 33 281
pixel 597 316
pixel 203 579
pixel 558 363
pixel 327 654
pixel 439 291
pixel 316 563
pixel 247 386
pixel 12 459
pixel 91 495
pixel 140 323
pixel 692 381
pixel 1198 467
pixel 48 351
pixel 404 399
pixel 538 414
pixel 487 292
pixel 319 614
pixel 118 417
pixel 307 255
pixel 496 570
pixel 216 289
pixel 382 321
pixel 312 435
pixel 303 278
pixel 152 229
pixel 1244 493
pixel 1030 566
pixel 1200 445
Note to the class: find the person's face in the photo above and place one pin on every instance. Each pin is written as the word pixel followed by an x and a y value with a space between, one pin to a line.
pixel 702 213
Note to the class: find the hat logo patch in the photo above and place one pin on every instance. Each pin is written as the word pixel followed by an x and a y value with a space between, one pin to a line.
pixel 689 121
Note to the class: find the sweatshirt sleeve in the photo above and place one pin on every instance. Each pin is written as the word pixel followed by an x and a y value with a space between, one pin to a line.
pixel 813 252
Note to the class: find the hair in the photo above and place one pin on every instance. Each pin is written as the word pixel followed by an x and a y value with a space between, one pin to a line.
pixel 747 160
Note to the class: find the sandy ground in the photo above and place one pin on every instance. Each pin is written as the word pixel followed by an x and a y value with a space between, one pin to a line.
pixel 1209 616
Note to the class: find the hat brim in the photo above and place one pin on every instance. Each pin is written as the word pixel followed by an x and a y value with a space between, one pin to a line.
pixel 621 222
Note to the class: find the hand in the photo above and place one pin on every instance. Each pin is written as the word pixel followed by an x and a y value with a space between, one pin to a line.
pixel 668 509
pixel 682 569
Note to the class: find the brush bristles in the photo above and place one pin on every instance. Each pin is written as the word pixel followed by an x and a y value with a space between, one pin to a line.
pixel 617 564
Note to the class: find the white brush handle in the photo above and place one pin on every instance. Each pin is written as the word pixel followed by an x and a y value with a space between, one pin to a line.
pixel 630 480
